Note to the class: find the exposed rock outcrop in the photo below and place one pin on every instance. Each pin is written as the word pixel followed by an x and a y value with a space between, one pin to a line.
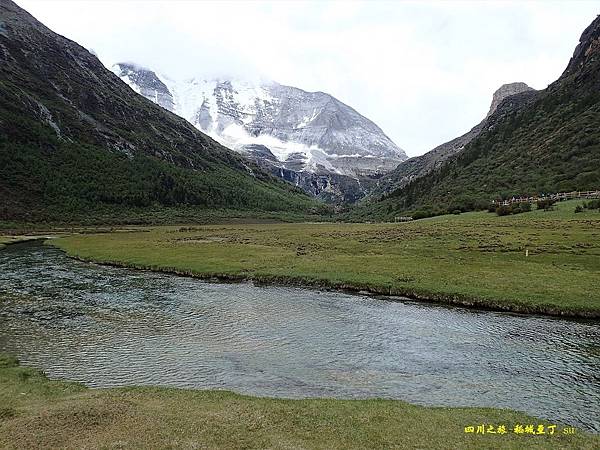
pixel 507 97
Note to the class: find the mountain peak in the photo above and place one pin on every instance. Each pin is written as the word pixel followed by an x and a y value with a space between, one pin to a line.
pixel 332 137
pixel 504 91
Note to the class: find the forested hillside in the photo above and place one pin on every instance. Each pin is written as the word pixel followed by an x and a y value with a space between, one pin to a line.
pixel 75 140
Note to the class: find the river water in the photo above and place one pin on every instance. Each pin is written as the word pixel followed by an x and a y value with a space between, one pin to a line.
pixel 107 326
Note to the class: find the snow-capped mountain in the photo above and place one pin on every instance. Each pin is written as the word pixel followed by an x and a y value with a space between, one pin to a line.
pixel 281 126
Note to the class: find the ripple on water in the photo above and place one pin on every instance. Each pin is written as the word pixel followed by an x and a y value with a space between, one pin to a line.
pixel 107 326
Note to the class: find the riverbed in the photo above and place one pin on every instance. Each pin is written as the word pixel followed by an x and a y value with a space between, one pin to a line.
pixel 107 327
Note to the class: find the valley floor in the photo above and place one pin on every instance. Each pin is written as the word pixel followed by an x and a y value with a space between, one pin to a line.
pixel 475 258
pixel 538 262
pixel 38 413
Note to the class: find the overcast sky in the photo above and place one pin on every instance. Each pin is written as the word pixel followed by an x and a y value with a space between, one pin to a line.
pixel 423 71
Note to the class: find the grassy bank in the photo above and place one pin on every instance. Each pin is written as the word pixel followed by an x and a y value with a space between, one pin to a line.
pixel 52 217
pixel 38 413
pixel 8 239
pixel 471 259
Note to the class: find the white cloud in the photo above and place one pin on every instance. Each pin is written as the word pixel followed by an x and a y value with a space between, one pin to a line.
pixel 423 71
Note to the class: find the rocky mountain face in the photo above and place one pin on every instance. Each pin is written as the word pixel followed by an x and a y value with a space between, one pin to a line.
pixel 74 139
pixel 584 62
pixel 504 91
pixel 535 142
pixel 416 167
pixel 324 145
pixel 145 82
pixel 329 187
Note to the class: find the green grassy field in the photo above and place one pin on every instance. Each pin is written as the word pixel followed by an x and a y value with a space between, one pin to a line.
pixel 38 413
pixel 471 259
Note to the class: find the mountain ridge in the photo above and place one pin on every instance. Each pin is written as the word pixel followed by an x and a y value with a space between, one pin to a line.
pixel 75 137
pixel 419 166
pixel 547 143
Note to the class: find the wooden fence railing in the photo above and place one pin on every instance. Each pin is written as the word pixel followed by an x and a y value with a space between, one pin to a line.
pixel 558 197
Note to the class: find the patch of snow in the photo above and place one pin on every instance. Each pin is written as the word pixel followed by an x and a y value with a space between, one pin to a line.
pixel 321 132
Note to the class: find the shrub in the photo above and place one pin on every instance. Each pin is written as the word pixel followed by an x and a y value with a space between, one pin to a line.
pixel 525 207
pixel 578 209
pixel 515 208
pixel 422 214
pixel 592 204
pixel 503 210
pixel 545 204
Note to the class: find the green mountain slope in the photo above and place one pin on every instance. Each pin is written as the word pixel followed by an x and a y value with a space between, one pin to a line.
pixel 420 166
pixel 546 142
pixel 74 139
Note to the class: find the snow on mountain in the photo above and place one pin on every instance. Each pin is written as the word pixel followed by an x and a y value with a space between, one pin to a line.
pixel 304 131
